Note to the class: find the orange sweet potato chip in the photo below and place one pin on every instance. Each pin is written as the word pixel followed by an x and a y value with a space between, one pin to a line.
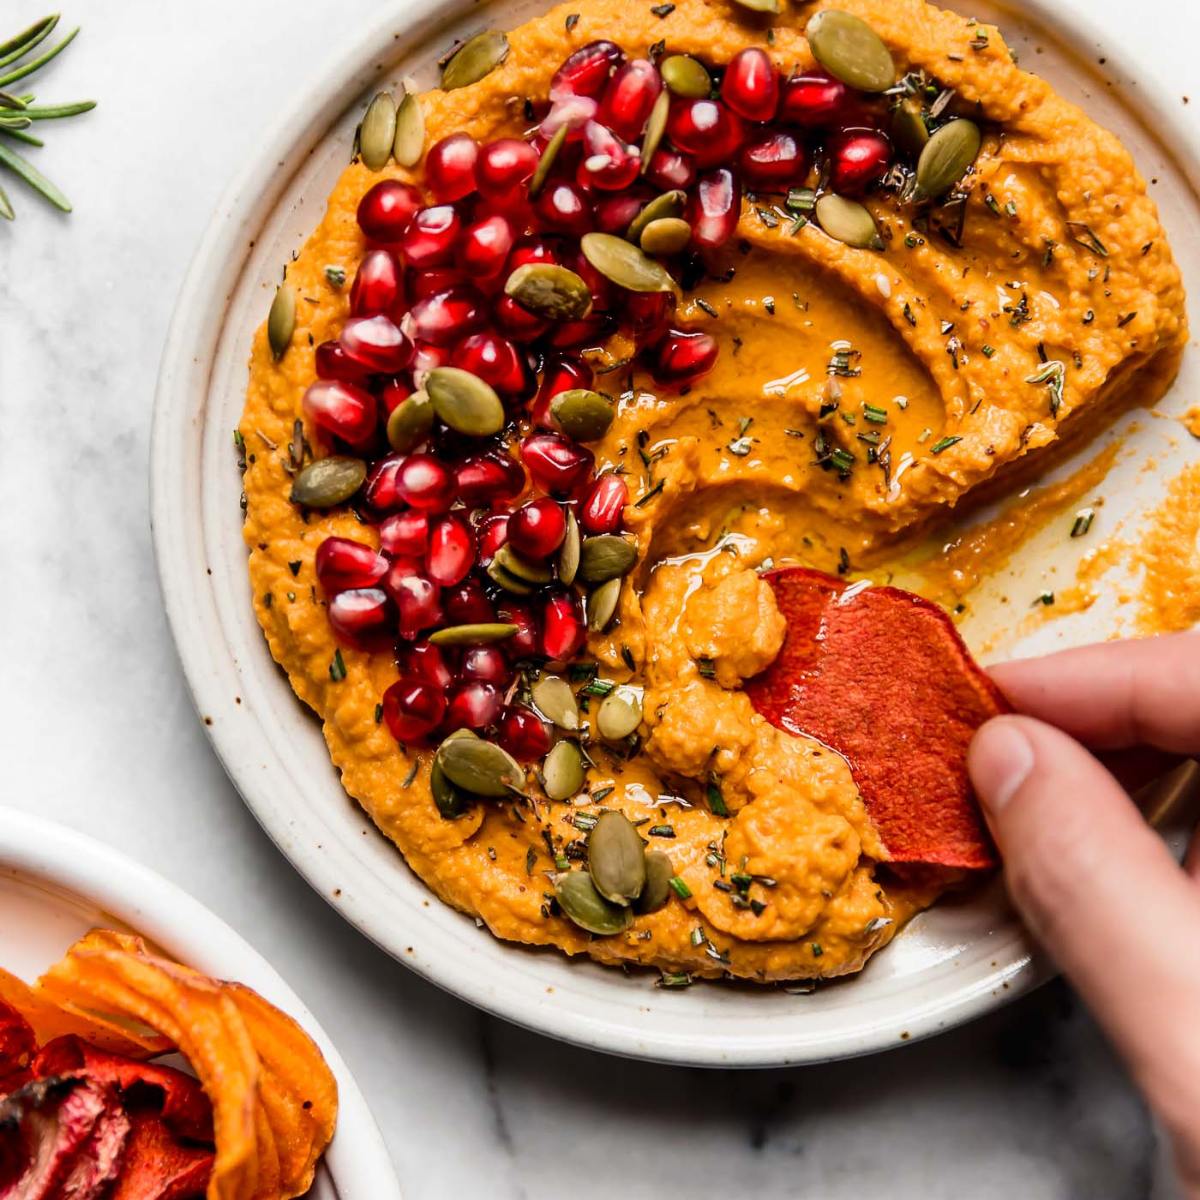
pixel 881 676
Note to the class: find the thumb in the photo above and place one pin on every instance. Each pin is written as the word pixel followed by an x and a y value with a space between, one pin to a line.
pixel 1102 893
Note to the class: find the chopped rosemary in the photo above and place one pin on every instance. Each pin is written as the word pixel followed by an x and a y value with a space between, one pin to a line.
pixel 1086 236
pixel 680 888
pixel 875 414
pixel 651 494
pixel 712 793
pixel 674 979
pixel 943 444
pixel 1051 374
pixel 336 276
pixel 337 668
pixel 1083 522
pixel 987 351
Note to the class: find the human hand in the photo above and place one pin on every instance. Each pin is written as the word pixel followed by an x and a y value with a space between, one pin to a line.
pixel 1096 886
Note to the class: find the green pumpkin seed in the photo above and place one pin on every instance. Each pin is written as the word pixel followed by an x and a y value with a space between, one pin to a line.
pixel 669 204
pixel 686 76
pixel 556 702
pixel 625 264
pixel 563 771
pixel 410 423
pixel 377 132
pixel 657 889
pixel 450 802
pixel 546 161
pixel 607 556
pixel 848 221
pixel 616 858
pixel 409 142
pixel 582 414
pixel 667 235
pixel 479 767
pixel 328 481
pixel 602 605
pixel 656 127
pixel 619 715
pixel 550 291
pixel 497 573
pixel 465 402
pixel 850 50
pixel 522 569
pixel 946 157
pixel 568 553
pixel 281 320
pixel 759 6
pixel 908 129
pixel 473 635
pixel 581 903
pixel 474 59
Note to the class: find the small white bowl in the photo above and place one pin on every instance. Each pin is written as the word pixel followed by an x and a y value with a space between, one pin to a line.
pixel 56 884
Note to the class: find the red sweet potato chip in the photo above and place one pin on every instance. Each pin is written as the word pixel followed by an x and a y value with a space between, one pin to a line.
pixel 17 1046
pixel 157 1167
pixel 881 676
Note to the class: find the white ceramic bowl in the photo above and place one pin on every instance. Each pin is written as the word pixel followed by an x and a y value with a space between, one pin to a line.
pixel 950 964
pixel 56 884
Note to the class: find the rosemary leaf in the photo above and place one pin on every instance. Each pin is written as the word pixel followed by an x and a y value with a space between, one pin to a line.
pixel 36 64
pixel 32 176
pixel 6 209
pixel 52 112
pixel 20 134
pixel 21 45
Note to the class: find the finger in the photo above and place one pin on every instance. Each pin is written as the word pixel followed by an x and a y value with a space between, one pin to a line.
pixel 1103 895
pixel 1114 694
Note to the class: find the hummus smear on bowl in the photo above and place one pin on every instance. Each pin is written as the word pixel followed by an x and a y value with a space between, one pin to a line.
pixel 646 300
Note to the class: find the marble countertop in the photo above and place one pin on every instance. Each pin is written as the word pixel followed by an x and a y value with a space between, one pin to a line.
pixel 99 731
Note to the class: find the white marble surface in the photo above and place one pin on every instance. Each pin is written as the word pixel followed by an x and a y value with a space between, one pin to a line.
pixel 99 732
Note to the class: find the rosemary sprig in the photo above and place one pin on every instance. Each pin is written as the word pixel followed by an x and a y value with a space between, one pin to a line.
pixel 19 46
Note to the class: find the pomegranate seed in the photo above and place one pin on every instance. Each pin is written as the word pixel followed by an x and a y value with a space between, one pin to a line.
pixel 447 316
pixel 451 550
pixel 563 206
pixel 588 332
pixel 682 357
pixel 375 344
pixel 707 130
pixel 380 491
pixel 604 292
pixel 404 534
pixel 513 206
pixel 467 604
pixel 413 709
pixel 559 375
pixel 342 410
pixel 363 618
pixel 647 312
pixel 773 158
pixel 343 564
pixel 505 164
pixel 450 167
pixel 431 236
pixel 418 601
pixel 535 250
pixel 426 356
pixel 393 394
pixel 603 504
pixel 669 169
pixel 750 85
pixel 486 245
pixel 523 643
pixel 487 664
pixel 517 322
pixel 814 100
pixel 537 529
pixel 424 660
pixel 858 158
pixel 614 213
pixel 714 209
pixel 572 111
pixel 493 533
pixel 332 362
pixel 430 282
pixel 609 163
pixel 563 630
pixel 491 478
pixel 494 360
pixel 425 483
pixel 385 211
pixel 523 733
pixel 586 71
pixel 629 97
pixel 555 464
pixel 472 705
pixel 378 286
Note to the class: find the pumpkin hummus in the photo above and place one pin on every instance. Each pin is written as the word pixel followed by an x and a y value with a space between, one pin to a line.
pixel 857 392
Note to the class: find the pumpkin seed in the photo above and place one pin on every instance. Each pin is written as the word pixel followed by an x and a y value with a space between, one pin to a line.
pixel 606 556
pixel 848 221
pixel 946 157
pixel 472 635
pixel 449 800
pixel 568 554
pixel 669 204
pixel 281 320
pixel 625 264
pixel 602 605
pixel 909 131
pixel 581 903
pixel 657 889
pixel 850 50
pixel 520 568
pixel 377 132
pixel 582 414
pixel 497 573
pixel 686 76
pixel 667 235
pixel 475 58
pixel 555 701
pixel 562 771
pixel 759 6
pixel 328 481
pixel 656 126
pixel 465 402
pixel 546 161
pixel 616 858
pixel 479 767
pixel 410 423
pixel 619 714
pixel 550 291
pixel 409 142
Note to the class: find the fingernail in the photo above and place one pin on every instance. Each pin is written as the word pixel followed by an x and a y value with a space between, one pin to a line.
pixel 999 761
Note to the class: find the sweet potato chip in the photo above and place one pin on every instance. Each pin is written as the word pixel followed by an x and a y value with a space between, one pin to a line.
pixel 157 1167
pixel 18 1045
pixel 881 676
